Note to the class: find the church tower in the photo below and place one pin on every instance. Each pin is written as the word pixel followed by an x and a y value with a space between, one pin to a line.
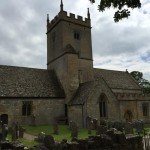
pixel 69 50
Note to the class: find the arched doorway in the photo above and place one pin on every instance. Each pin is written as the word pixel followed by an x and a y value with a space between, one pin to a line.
pixel 128 115
pixel 4 118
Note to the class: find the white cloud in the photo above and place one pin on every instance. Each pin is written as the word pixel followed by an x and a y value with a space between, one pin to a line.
pixel 117 46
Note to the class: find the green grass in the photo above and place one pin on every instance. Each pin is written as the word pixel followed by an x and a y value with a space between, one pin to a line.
pixel 64 132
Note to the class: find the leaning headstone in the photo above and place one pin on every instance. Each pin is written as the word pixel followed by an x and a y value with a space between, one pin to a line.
pixel 128 128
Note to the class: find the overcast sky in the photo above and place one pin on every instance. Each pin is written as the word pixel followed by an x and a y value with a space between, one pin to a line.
pixel 116 46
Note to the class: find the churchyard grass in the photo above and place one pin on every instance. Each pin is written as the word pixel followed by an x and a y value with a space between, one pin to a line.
pixel 64 132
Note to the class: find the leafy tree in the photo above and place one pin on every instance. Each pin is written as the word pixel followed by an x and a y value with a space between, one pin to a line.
pixel 120 5
pixel 145 84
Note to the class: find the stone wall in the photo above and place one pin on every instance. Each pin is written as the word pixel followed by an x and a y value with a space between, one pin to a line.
pixel 100 142
pixel 44 110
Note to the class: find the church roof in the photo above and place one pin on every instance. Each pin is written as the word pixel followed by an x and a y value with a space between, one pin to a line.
pixel 112 80
pixel 117 79
pixel 82 93
pixel 28 82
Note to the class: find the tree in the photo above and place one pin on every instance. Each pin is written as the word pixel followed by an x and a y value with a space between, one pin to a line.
pixel 120 5
pixel 145 84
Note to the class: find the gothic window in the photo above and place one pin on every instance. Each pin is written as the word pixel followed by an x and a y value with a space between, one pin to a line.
pixel 26 108
pixel 103 105
pixel 76 35
pixel 145 109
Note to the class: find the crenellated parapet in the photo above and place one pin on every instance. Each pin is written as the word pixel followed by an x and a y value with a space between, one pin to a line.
pixel 71 18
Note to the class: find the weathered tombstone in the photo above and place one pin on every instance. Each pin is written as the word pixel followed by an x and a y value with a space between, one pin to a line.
pixel 128 128
pixel 118 125
pixel 95 123
pixel 74 129
pixel 90 127
pixel 101 129
pixel 103 122
pixel 4 131
pixel 88 120
pixel 49 142
pixel 14 131
pixel 33 120
pixel 55 128
pixel 21 131
pixel 1 124
pixel 41 137
pixel 110 124
pixel 139 126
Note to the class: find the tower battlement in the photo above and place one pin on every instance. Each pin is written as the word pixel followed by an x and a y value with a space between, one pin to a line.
pixel 62 16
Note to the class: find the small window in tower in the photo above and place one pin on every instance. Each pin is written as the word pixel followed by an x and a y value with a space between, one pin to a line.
pixel 76 35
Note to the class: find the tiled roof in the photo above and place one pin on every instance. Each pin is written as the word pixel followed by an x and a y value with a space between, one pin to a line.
pixel 116 79
pixel 28 82
pixel 82 93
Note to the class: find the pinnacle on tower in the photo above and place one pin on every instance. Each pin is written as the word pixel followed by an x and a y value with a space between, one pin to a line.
pixel 88 13
pixel 47 18
pixel 61 6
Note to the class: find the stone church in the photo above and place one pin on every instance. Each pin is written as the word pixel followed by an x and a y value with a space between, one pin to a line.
pixel 70 87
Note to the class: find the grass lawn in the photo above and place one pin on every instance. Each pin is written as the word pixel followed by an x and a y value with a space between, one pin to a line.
pixel 64 132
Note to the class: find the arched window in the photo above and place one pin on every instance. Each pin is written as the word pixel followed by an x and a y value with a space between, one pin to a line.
pixel 103 105
pixel 26 108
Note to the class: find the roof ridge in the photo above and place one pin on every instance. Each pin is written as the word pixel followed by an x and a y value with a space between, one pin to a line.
pixel 8 66
pixel 109 70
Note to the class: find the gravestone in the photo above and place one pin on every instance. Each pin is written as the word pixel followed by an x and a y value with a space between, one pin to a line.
pixel 88 120
pixel 74 129
pixel 55 128
pixel 95 123
pixel 4 131
pixel 33 120
pixel 118 125
pixel 14 131
pixel 101 129
pixel 21 131
pixel 128 128
pixel 49 142
pixel 90 127
pixel 41 137
pixel 110 124
pixel 139 126
pixel 1 126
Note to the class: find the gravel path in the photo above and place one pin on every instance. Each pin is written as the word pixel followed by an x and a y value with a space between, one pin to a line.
pixel 29 136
